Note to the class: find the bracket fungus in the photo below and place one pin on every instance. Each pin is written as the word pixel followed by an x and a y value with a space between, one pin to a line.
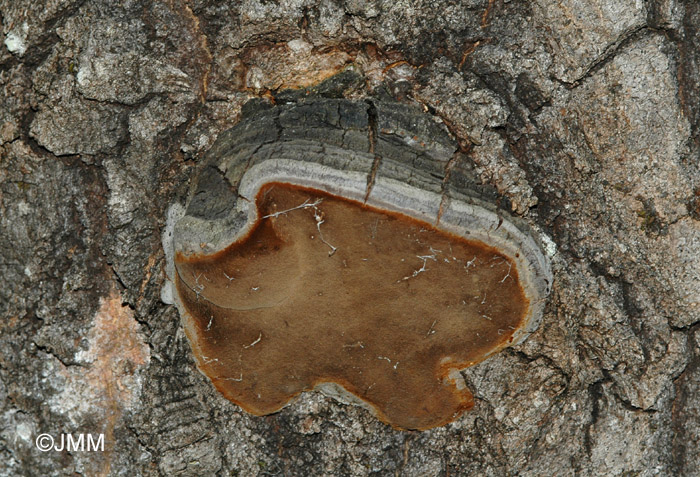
pixel 347 246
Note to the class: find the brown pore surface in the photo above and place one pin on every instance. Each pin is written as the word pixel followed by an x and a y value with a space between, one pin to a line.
pixel 326 289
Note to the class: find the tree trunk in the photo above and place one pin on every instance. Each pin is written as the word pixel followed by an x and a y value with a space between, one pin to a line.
pixel 577 120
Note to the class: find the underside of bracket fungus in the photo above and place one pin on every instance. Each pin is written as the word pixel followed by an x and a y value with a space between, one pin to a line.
pixel 347 246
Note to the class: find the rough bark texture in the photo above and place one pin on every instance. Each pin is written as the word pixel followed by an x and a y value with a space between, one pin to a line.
pixel 585 116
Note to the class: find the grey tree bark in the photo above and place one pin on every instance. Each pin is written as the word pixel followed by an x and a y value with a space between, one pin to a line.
pixel 583 116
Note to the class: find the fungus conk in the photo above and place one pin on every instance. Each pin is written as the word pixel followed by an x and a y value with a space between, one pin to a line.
pixel 347 246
